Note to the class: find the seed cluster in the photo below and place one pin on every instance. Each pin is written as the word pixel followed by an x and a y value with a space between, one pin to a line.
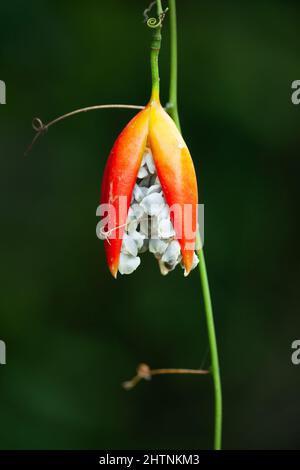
pixel 149 226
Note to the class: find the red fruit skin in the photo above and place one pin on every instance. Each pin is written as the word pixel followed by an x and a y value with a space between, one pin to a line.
pixel 177 176
pixel 119 178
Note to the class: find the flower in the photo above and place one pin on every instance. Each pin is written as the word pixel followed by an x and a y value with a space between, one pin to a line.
pixel 149 192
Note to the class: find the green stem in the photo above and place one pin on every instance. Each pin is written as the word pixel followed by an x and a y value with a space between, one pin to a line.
pixel 215 369
pixel 155 48
pixel 172 105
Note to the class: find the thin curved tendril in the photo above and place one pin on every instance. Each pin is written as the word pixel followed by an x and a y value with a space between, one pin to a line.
pixel 154 22
pixel 41 128
pixel 147 10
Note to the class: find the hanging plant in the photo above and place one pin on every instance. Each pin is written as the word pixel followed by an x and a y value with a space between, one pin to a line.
pixel 149 197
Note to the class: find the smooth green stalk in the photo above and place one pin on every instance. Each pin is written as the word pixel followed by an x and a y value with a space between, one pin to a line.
pixel 155 48
pixel 172 105
pixel 215 369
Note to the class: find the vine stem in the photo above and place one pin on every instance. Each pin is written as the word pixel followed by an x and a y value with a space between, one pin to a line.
pixel 155 48
pixel 215 368
pixel 173 104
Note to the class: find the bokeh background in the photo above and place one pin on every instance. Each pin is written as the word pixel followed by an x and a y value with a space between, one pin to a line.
pixel 73 333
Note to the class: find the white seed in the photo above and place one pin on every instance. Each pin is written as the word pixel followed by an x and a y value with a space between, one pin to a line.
pixel 153 232
pixel 130 214
pixel 139 193
pixel 138 238
pixel 132 223
pixel 131 226
pixel 129 246
pixel 145 246
pixel 153 204
pixel 172 253
pixel 138 211
pixel 150 162
pixel 163 269
pixel 165 229
pixel 155 188
pixel 157 247
pixel 145 226
pixel 165 213
pixel 128 263
pixel 142 172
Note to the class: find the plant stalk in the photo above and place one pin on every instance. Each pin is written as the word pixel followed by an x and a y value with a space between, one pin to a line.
pixel 155 48
pixel 173 101
pixel 215 368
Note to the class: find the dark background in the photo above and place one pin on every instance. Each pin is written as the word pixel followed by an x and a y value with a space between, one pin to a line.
pixel 73 333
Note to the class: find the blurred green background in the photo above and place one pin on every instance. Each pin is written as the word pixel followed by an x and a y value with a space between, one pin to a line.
pixel 73 333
